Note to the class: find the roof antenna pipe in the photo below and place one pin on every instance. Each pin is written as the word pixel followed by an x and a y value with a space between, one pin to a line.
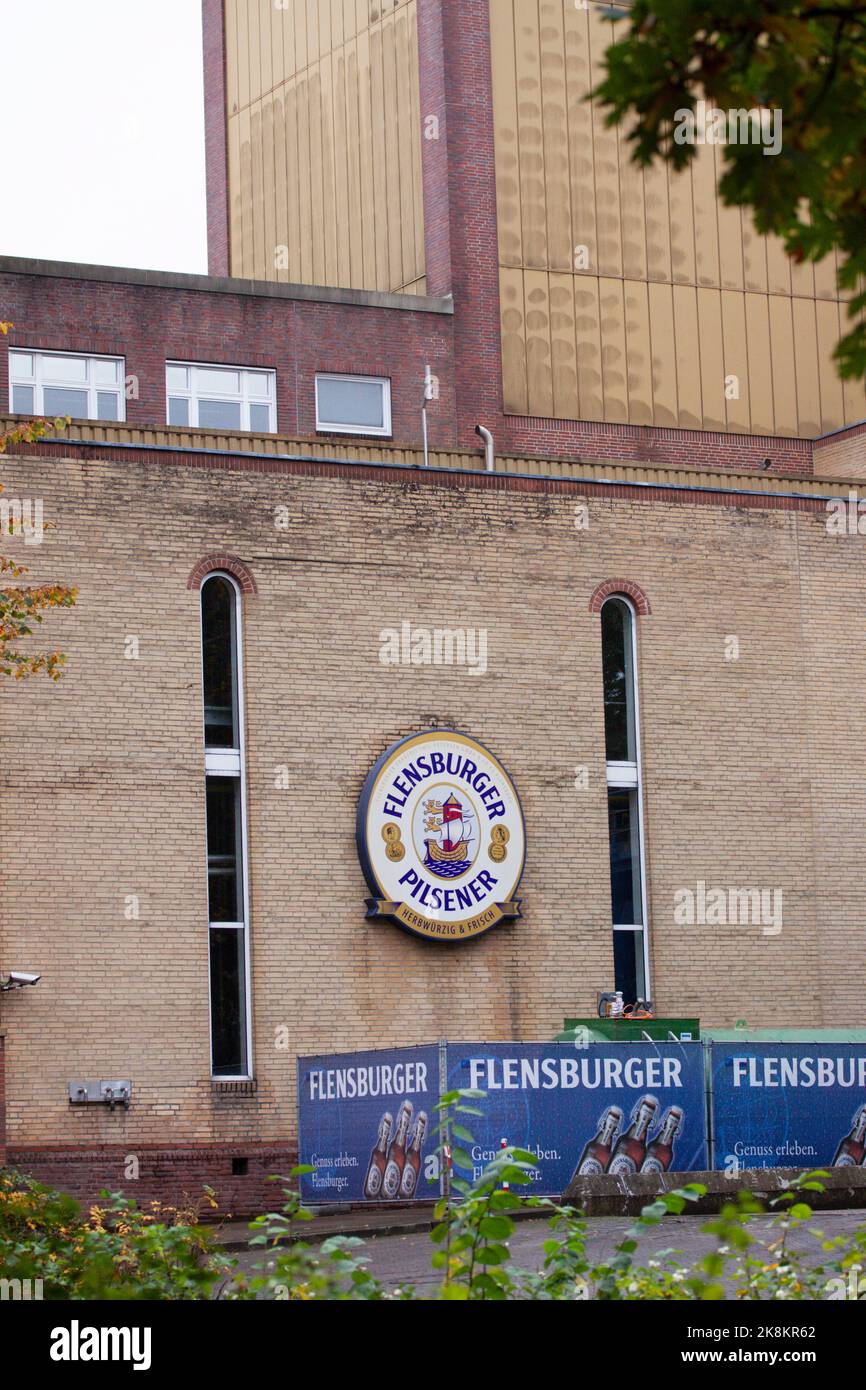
pixel 489 450
pixel 429 395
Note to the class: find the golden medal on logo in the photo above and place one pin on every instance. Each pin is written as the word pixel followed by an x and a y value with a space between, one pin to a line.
pixel 395 849
pixel 499 837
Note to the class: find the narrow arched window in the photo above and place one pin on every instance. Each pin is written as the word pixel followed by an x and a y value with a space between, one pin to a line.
pixel 220 663
pixel 228 892
pixel 625 799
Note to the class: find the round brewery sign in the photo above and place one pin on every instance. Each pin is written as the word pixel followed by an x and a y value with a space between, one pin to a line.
pixel 441 837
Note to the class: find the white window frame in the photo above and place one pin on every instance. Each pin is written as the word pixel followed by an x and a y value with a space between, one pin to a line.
pixel 628 776
pixel 231 762
pixel 245 398
pixel 90 386
pixel 328 427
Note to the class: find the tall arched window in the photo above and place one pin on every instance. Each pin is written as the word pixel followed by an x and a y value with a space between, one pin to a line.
pixel 625 798
pixel 228 892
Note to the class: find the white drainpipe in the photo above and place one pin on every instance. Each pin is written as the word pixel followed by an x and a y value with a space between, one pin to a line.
pixel 489 451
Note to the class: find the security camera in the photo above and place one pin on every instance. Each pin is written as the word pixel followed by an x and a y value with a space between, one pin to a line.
pixel 17 979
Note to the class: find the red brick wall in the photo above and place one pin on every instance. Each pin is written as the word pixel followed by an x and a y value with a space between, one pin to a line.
pixel 180 318
pixel 460 191
pixel 701 448
pixel 213 52
pixel 148 323
pixel 175 1176
pixel 434 147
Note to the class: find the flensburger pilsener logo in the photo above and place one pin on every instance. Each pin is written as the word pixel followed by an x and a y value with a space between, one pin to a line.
pixel 441 837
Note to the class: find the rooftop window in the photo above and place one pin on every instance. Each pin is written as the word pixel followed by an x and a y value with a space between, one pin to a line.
pixel 66 383
pixel 221 398
pixel 353 404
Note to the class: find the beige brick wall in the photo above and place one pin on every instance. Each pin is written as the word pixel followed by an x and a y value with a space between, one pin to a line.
pixel 842 455
pixel 751 772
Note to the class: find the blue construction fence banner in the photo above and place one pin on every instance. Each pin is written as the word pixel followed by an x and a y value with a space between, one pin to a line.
pixel 600 1108
pixel 366 1120
pixel 365 1125
pixel 788 1105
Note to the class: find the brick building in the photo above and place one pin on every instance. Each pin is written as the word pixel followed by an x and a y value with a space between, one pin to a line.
pixel 672 657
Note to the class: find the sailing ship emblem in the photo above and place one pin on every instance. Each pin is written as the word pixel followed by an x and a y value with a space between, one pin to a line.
pixel 448 837
pixel 440 837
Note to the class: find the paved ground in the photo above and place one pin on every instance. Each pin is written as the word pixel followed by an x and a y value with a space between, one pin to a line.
pixel 405 1258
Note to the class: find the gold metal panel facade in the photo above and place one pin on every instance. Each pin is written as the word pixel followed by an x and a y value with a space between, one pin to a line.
pixel 682 314
pixel 324 143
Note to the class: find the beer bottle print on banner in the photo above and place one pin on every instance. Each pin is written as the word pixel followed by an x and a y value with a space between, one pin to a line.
pixel 397 1153
pixel 630 1150
pixel 597 1152
pixel 412 1166
pixel 378 1159
pixel 660 1154
pixel 851 1150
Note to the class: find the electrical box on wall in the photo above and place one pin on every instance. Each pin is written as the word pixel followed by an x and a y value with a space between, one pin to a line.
pixel 110 1093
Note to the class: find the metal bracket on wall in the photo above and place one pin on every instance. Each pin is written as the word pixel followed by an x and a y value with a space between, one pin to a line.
pixel 110 1093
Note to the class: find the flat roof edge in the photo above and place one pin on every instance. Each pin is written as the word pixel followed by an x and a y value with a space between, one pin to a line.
pixel 419 470
pixel 211 284
pixel 841 429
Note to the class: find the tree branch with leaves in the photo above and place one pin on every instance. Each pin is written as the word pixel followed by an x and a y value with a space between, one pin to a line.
pixel 804 60
pixel 22 606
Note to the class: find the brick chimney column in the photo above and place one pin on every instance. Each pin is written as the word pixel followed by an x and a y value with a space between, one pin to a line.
pixel 216 136
pixel 461 240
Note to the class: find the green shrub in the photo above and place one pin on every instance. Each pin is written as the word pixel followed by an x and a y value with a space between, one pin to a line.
pixel 113 1251
pixel 117 1251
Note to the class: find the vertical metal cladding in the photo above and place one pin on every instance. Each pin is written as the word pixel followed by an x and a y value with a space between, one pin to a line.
pixel 324 139
pixel 634 296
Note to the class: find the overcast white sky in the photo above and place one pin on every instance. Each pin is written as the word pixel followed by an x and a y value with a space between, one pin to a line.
pixel 104 150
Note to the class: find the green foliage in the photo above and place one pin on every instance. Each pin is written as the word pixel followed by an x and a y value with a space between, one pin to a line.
pixel 803 58
pixel 19 605
pixel 475 1221
pixel 663 1277
pixel 296 1270
pixel 773 1269
pixel 114 1251
pixel 473 1233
